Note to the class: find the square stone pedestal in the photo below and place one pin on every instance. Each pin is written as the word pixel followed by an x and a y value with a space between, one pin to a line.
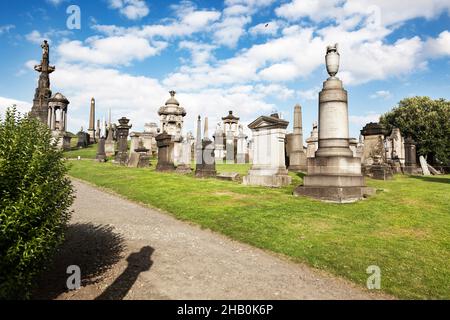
pixel 267 177
pixel 334 179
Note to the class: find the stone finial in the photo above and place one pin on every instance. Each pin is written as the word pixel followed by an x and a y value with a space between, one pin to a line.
pixel 332 60
pixel 172 93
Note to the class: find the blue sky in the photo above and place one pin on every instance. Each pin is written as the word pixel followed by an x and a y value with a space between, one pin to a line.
pixel 220 56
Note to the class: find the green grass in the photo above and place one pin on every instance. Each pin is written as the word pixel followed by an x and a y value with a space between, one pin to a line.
pixel 405 229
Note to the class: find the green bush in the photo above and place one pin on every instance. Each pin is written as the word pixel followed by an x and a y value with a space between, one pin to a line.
pixel 35 197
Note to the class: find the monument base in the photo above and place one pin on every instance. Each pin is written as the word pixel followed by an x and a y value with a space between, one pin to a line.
pixel 183 169
pixel 276 181
pixel 165 167
pixel 379 172
pixel 205 172
pixel 265 176
pixel 335 194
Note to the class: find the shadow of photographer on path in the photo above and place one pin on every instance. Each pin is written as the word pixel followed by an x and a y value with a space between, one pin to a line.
pixel 138 262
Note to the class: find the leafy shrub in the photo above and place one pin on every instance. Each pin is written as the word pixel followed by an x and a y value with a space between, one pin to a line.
pixel 35 196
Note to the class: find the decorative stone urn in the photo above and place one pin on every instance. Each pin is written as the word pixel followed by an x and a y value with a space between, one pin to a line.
pixel 332 60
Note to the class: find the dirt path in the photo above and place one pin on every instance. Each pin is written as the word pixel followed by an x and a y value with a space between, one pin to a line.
pixel 126 251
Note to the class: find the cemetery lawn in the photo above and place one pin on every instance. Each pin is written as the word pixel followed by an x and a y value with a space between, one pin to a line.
pixel 404 229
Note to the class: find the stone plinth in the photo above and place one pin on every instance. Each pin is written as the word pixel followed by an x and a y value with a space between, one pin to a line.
pixel 334 174
pixel 139 158
pixel 165 153
pixel 101 155
pixel 110 144
pixel 411 157
pixel 268 167
pixel 207 166
pixel 122 141
pixel 229 176
pixel 83 140
pixel 184 166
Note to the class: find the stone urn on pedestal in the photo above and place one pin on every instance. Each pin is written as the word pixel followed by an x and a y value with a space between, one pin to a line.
pixel 334 174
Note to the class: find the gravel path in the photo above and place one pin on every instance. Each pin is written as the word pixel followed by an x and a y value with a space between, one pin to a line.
pixel 127 251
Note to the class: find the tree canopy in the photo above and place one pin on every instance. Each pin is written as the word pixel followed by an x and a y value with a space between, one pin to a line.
pixel 427 121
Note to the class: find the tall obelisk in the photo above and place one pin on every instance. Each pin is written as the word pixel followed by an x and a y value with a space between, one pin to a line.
pixel 91 129
pixel 43 92
pixel 297 158
pixel 334 174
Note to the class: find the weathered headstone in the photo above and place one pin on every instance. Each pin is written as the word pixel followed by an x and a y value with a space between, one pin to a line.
pixel 165 152
pixel 205 160
pixel 268 167
pixel 424 166
pixel 122 140
pixel 410 156
pixel 313 142
pixel 241 146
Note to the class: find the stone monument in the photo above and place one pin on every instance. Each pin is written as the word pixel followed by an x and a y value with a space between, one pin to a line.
pixel 83 139
pixel 269 168
pixel 219 144
pixel 165 152
pixel 57 120
pixel 297 156
pixel 411 156
pixel 91 129
pixel 123 130
pixel 334 174
pixel 205 159
pixel 101 154
pixel 110 144
pixel 43 92
pixel 185 160
pixel 172 119
pixel 313 142
pixel 151 130
pixel 241 146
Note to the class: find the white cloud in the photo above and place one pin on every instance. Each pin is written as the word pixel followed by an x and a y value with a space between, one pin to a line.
pixel 37 37
pixel 201 53
pixel 119 50
pixel 131 9
pixel 55 2
pixel 236 16
pixel 439 46
pixel 5 103
pixel 385 13
pixel 6 28
pixel 269 28
pixel 310 94
pixel 363 120
pixel 383 94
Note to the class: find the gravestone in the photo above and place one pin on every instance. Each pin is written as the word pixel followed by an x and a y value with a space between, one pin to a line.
pixel 410 156
pixel 101 154
pixel 185 160
pixel 123 130
pixel 205 160
pixel 110 144
pixel 334 174
pixel 140 158
pixel 297 156
pixel 241 146
pixel 313 142
pixel 83 139
pixel 165 152
pixel 268 167
pixel 424 166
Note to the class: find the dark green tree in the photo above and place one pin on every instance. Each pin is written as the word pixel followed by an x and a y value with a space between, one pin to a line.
pixel 427 121
pixel 35 197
